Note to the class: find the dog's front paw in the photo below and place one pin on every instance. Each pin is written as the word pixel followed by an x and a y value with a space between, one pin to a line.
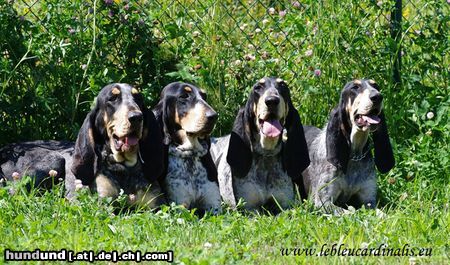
pixel 79 185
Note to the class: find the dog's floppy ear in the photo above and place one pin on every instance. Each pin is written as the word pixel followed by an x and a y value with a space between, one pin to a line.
pixel 384 157
pixel 295 150
pixel 162 113
pixel 84 157
pixel 239 155
pixel 151 147
pixel 208 163
pixel 338 148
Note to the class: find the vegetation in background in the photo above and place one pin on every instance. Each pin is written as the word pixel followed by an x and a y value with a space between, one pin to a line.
pixel 56 55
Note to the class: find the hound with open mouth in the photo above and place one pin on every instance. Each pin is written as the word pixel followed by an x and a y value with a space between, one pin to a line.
pixel 187 120
pixel 263 157
pixel 342 170
pixel 119 148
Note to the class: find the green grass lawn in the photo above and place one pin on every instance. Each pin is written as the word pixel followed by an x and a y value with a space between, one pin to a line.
pixel 418 218
pixel 57 54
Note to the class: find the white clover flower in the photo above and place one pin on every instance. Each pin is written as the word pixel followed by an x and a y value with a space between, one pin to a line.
pixel 272 11
pixel 207 245
pixel 15 175
pixel 430 115
pixel 52 173
pixel 249 57
pixel 403 196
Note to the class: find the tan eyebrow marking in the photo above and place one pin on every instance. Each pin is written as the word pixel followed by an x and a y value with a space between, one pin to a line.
pixel 116 91
pixel 357 82
pixel 262 80
pixel 279 80
pixel 134 91
pixel 187 89
pixel 371 81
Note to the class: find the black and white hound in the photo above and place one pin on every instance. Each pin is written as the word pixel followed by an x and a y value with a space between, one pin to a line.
pixel 342 170
pixel 186 120
pixel 118 149
pixel 266 151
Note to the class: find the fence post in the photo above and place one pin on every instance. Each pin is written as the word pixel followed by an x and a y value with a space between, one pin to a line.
pixel 396 34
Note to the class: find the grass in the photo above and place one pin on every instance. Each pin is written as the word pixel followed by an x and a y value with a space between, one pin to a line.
pixel 49 222
pixel 225 47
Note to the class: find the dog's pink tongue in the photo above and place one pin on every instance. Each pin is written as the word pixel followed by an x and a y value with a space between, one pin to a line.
pixel 129 142
pixel 371 119
pixel 272 128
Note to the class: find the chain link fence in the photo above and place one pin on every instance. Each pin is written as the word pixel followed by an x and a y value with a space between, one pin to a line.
pixel 222 45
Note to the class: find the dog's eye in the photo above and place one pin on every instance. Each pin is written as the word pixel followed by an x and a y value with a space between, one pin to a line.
pixel 184 95
pixel 355 87
pixel 376 87
pixel 258 88
pixel 203 95
pixel 113 98
pixel 138 98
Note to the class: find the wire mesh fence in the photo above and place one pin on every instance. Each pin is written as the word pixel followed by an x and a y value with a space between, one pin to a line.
pixel 224 45
pixel 270 32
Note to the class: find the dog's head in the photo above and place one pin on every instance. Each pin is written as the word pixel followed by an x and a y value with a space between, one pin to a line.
pixel 184 114
pixel 122 124
pixel 121 106
pixel 269 101
pixel 187 120
pixel 359 113
pixel 363 104
pixel 260 125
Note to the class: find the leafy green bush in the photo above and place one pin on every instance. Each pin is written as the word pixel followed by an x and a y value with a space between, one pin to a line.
pixel 56 55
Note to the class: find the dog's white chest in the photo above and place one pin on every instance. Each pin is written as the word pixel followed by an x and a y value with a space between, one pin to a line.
pixel 266 180
pixel 191 169
pixel 359 175
pixel 187 173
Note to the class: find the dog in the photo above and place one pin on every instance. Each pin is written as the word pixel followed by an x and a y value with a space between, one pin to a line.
pixel 118 149
pixel 186 119
pixel 263 157
pixel 44 161
pixel 342 170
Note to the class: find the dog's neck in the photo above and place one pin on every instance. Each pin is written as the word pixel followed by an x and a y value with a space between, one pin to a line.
pixel 271 147
pixel 358 140
pixel 190 146
pixel 128 159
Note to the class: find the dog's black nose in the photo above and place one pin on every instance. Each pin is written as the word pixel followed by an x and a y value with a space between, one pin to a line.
pixel 211 116
pixel 135 116
pixel 272 101
pixel 376 97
